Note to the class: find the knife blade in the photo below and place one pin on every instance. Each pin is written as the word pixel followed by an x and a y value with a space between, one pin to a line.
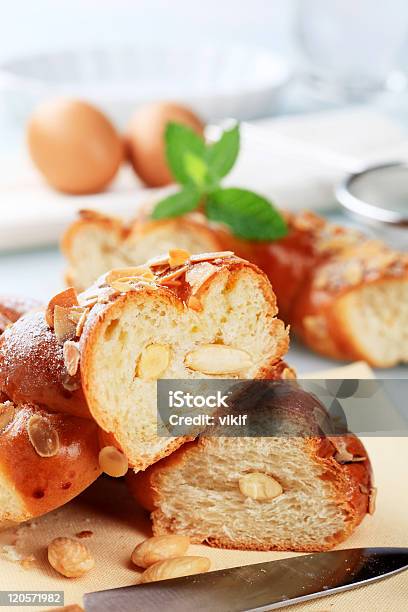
pixel 258 587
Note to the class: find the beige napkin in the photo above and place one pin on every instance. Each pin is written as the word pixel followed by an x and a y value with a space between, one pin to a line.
pixel 117 525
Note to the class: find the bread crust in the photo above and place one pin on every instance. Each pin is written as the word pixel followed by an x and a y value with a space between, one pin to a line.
pixel 352 482
pixel 44 483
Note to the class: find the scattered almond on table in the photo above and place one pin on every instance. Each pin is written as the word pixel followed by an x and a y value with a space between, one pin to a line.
pixel 159 548
pixel 70 557
pixel 175 568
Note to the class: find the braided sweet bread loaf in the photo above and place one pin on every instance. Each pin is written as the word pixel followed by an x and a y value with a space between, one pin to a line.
pixel 345 295
pixel 101 352
pixel 301 490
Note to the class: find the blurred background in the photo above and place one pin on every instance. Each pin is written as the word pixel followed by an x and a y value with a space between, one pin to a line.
pixel 227 57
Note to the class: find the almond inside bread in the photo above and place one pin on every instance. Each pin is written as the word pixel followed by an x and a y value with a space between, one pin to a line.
pixel 302 493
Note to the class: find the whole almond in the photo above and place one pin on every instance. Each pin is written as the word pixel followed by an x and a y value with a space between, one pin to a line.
pixel 159 548
pixel 217 359
pixel 43 436
pixel 131 272
pixel 113 462
pixel 259 486
pixel 153 361
pixel 70 557
pixel 175 568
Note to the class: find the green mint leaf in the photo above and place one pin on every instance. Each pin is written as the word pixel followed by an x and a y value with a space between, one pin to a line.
pixel 222 155
pixel 177 204
pixel 196 168
pixel 180 140
pixel 247 214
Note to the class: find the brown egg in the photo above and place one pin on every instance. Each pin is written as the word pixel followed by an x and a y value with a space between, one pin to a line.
pixel 74 146
pixel 145 139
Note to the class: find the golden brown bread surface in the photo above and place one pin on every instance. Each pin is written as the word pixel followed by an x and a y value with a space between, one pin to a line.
pixel 32 367
pixel 100 364
pixel 32 484
pixel 326 485
pixel 346 295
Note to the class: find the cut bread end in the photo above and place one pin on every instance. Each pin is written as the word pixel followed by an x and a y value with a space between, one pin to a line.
pixel 373 322
pixel 155 331
pixel 199 491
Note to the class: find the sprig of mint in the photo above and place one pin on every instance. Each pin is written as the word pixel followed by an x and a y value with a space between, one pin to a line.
pixel 199 167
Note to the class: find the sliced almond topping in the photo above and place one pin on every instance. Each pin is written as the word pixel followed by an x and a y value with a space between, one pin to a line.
pixel 197 275
pixel 343 455
pixel 153 361
pixel 217 359
pixel 158 262
pixel 106 294
pixel 123 285
pixel 177 257
pixel 131 272
pixel 113 462
pixel 71 355
pixel 372 498
pixel 81 322
pixel 65 299
pixel 163 280
pixel 64 327
pixel 210 256
pixel 43 436
pixel 75 313
pixel 194 303
pixel 7 411
pixel 87 301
